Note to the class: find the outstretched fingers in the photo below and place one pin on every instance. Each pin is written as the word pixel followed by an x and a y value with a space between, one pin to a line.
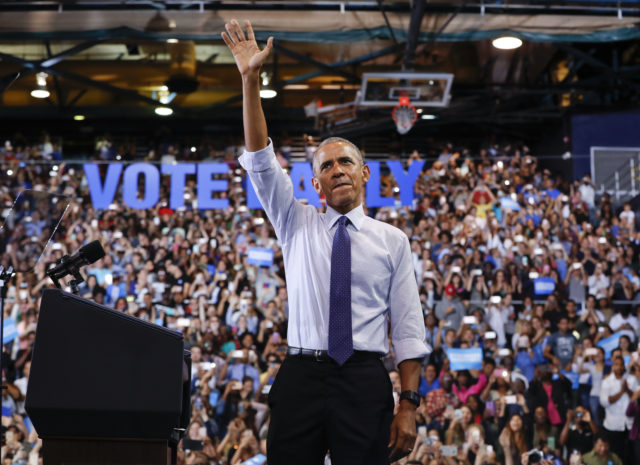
pixel 227 40
pixel 237 30
pixel 250 34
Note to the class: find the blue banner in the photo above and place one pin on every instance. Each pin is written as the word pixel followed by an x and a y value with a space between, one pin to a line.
pixel 255 460
pixel 609 344
pixel 259 256
pixel 464 359
pixel 544 286
pixel 10 330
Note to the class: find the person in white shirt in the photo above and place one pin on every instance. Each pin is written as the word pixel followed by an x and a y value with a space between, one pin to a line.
pixel 614 397
pixel 624 322
pixel 333 394
pixel 598 283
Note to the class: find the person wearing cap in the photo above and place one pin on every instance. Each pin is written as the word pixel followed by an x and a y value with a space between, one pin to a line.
pixel 450 308
pixel 347 274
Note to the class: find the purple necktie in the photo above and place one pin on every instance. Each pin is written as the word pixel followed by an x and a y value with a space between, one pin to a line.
pixel 340 337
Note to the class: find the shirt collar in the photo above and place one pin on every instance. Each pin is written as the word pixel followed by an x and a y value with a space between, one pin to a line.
pixel 356 217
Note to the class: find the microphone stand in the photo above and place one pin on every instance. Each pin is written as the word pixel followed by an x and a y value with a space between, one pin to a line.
pixel 5 276
pixel 74 271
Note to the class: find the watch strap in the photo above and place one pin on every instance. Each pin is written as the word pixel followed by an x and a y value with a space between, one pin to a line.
pixel 411 396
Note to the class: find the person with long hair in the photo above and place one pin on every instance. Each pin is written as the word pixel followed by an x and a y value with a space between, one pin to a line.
pixel 512 439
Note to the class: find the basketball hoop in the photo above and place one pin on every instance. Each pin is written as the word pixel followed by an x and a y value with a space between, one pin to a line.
pixel 404 115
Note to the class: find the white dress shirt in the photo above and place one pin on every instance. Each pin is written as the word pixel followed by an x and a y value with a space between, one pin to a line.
pixel 615 418
pixel 383 283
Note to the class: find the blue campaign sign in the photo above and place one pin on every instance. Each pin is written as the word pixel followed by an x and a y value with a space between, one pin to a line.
pixel 464 359
pixel 255 460
pixel 10 330
pixel 544 286
pixel 610 343
pixel 259 256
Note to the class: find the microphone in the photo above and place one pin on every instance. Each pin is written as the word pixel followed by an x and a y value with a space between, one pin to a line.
pixel 87 254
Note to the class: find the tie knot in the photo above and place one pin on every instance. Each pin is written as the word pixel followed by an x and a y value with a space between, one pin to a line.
pixel 343 221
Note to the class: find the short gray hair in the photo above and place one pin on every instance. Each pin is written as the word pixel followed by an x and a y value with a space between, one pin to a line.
pixel 331 140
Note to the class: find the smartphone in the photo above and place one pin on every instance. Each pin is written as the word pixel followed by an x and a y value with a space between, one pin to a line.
pixel 511 400
pixel 422 430
pixel 206 366
pixel 236 354
pixel 191 444
pixel 236 386
pixel 495 299
pixel 504 352
pixel 490 335
pixel 266 389
pixel 449 451
pixel 551 442
pixel 500 373
pixel 590 352
pixel 470 320
pixel 457 413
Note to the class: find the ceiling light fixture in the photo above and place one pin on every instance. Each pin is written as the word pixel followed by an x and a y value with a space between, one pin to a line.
pixel 79 117
pixel 506 42
pixel 41 90
pixel 172 40
pixel 267 91
pixel 428 116
pixel 163 111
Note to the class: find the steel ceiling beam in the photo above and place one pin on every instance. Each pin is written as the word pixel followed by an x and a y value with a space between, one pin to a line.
pixel 37 67
pixel 413 35
pixel 326 69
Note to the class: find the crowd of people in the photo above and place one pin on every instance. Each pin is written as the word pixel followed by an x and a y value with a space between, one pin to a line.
pixel 526 265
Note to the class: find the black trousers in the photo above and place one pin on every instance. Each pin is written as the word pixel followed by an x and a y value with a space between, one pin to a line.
pixel 320 406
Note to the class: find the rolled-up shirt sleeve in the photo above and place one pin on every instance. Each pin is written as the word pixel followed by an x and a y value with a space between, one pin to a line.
pixel 273 188
pixel 407 325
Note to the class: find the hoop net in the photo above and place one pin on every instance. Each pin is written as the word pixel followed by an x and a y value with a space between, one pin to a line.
pixel 404 115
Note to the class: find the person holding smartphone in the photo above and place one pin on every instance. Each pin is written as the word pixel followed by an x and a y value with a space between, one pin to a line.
pixel 347 275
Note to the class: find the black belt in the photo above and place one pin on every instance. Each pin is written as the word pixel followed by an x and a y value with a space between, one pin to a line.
pixel 323 355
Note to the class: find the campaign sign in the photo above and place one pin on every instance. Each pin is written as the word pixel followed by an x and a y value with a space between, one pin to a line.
pixel 10 330
pixel 259 256
pixel 255 460
pixel 609 344
pixel 464 359
pixel 544 286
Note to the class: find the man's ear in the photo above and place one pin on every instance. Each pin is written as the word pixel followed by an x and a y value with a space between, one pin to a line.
pixel 316 185
pixel 366 173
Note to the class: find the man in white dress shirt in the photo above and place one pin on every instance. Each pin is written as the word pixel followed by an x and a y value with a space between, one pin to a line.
pixel 615 393
pixel 322 400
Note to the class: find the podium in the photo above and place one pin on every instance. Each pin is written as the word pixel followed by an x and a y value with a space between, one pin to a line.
pixel 106 387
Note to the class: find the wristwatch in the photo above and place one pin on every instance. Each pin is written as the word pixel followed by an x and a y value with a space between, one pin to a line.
pixel 411 396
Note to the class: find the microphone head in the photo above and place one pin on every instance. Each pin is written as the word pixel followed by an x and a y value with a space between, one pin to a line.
pixel 92 252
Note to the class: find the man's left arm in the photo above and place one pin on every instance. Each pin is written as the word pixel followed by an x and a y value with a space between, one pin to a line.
pixel 408 337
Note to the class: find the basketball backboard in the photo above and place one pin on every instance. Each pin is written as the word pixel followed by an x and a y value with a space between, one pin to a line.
pixel 423 89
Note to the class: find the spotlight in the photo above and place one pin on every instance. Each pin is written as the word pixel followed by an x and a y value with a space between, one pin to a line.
pixel 163 111
pixel 428 116
pixel 268 93
pixel 79 117
pixel 41 90
pixel 506 42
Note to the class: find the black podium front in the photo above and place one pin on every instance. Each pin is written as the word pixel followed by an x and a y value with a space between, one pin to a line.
pixel 103 382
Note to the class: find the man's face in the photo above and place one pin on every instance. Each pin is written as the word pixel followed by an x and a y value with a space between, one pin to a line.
pixel 430 373
pixel 340 176
pixel 601 448
pixel 447 382
pixel 618 366
pixel 563 325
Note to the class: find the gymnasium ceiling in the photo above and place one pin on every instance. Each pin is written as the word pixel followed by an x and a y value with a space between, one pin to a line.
pixel 110 59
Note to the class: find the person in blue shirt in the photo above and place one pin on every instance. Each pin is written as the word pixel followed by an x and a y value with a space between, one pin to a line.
pixel 429 380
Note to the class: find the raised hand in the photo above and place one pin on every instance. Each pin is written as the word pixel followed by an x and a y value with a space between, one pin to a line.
pixel 248 56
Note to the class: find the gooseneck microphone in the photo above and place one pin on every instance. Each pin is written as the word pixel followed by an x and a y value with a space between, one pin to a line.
pixel 87 254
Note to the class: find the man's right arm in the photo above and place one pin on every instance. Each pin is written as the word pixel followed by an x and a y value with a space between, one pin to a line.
pixel 273 187
pixel 249 59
